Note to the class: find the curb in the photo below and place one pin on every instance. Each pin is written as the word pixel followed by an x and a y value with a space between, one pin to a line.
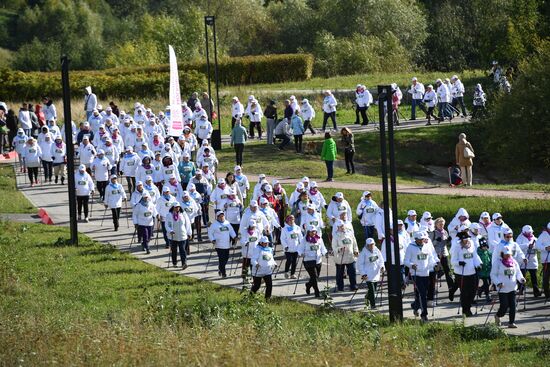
pixel 45 217
pixel 8 156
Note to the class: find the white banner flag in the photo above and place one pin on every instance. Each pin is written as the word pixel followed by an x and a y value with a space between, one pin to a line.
pixel 176 115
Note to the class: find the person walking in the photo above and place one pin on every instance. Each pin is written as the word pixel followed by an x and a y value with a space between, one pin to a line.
pixel 328 154
pixel 114 196
pixel 270 114
pixel 370 265
pixel 479 101
pixel 417 93
pixel 329 109
pixel 543 245
pixel 239 136
pixel 291 237
pixel 178 227
pixel 84 189
pixel 237 111
pixel 297 126
pixel 464 155
pixel 466 261
pixel 59 155
pixel 308 114
pixel 346 251
pixel 31 156
pixel 527 242
pixel 312 248
pixel 255 115
pixel 349 150
pixel 221 233
pixel 263 263
pixel 143 217
pixel 25 119
pixel 12 123
pixel 457 93
pixel 90 102
pixel 505 274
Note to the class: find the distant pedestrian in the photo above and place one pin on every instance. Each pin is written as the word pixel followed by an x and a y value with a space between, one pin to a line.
pixel 297 126
pixel 308 114
pixel 239 137
pixel 479 101
pixel 363 99
pixel 417 93
pixel 90 102
pixel 349 150
pixel 329 109
pixel 464 155
pixel 328 154
pixel 270 113
pixel 237 111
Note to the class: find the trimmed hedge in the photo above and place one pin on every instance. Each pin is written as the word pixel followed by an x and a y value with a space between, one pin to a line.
pixel 153 81
pixel 241 70
pixel 19 86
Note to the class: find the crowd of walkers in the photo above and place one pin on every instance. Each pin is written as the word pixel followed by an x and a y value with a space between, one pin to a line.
pixel 172 186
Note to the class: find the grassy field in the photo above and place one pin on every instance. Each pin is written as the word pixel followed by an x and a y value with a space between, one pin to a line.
pixel 11 200
pixel 92 305
pixel 417 150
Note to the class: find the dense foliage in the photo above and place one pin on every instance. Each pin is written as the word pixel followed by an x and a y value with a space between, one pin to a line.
pixel 345 36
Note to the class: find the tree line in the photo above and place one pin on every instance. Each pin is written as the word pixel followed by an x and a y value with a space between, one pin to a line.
pixel 345 36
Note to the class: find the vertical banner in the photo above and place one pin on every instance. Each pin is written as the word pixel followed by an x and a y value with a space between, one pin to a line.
pixel 176 115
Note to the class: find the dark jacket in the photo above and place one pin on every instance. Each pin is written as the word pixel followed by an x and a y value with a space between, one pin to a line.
pixel 270 112
pixel 349 144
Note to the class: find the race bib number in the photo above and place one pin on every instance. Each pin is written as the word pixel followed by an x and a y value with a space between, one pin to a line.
pixel 224 196
pixel 422 256
pixel 341 208
pixel 106 153
pixel 224 229
pixel 82 183
pixel 32 150
pixel 115 192
pixel 188 210
pixel 468 255
pixel 168 171
pixel 370 210
pixel 531 252
pixel 373 258
pixel 130 164
pixel 148 171
pixel 509 272
pixel 233 204
pixel 241 183
pixel 21 142
pixel 346 241
pixel 168 204
pixel 252 239
pixel 314 247
pixel 266 257
pixel 147 214
pixel 314 223
pixel 203 127
pixel 293 236
pixel 58 151
pixel 187 168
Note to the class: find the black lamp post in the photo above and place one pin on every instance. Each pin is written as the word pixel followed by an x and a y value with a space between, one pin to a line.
pixel 210 21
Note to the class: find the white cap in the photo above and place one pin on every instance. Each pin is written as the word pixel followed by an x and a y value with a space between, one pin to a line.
pixel 339 195
pixel 220 213
pixel 496 216
pixel 485 215
pixel 463 227
pixel 237 168
pixel 305 179
pixel 304 101
pixel 221 181
pixel 145 195
pixel 399 221
pixel 366 193
pixel 527 229
pixel 263 201
pixel 139 183
pixel 253 203
pixel 268 188
pixel 311 228
pixel 274 182
pixel 165 189
pixel 508 231
pixel 263 239
pixel 175 203
pixel 185 155
pixel 339 223
pixel 313 184
pixel 420 235
pixel 261 175
pixel 474 226
pixel 148 178
pixel 113 176
pixel 252 223
pixel 300 185
pixel 184 194
pixel 414 79
pixel 100 151
pixel 411 212
pixel 82 167
pixel 369 241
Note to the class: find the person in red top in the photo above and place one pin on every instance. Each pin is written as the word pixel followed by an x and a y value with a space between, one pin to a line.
pixel 41 117
pixel 277 206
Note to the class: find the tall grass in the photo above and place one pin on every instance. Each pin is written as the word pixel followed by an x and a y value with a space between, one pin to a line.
pixel 92 305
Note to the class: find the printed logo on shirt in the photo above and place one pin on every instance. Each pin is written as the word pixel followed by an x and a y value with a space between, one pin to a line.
pixel 293 236
pixel 346 241
pixel 314 223
pixel 373 258
pixel 115 192
pixel 342 208
pixel 106 153
pixel 130 163
pixel 252 239
pixel 203 127
pixel 82 183
pixel 187 168
pixel 314 247
pixel 422 256
pixel 147 214
pixel 168 204
pixel 370 210
pixel 224 229
pixel 168 171
pixel 509 271
pixel 531 251
pixel 224 196
pixel 468 255
pixel 188 210
pixel 148 171
pixel 59 151
pixel 32 150
pixel 266 257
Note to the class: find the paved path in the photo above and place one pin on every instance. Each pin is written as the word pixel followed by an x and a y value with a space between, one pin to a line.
pixel 535 321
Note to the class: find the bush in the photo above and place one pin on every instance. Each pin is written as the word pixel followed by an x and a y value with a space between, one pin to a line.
pixel 520 121
pixel 17 85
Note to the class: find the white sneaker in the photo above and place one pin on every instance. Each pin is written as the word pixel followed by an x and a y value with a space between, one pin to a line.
pixel 512 326
pixel 497 320
pixel 293 277
pixel 86 220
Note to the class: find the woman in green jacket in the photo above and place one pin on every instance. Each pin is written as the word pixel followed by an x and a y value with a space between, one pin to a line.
pixel 328 154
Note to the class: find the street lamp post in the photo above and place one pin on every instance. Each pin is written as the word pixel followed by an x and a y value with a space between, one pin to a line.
pixel 210 20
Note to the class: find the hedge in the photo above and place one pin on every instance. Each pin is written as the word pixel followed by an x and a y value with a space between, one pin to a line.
pixel 19 86
pixel 241 70
pixel 153 81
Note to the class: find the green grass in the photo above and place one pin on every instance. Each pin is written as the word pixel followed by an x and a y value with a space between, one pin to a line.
pixel 92 305
pixel 11 200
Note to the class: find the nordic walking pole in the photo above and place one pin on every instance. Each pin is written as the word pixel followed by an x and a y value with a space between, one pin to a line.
pixel 133 236
pixel 437 282
pixel 327 269
pixel 209 257
pixel 233 257
pixel 104 213
pixel 278 267
pixel 92 204
pixel 461 290
pixel 298 278
pixel 354 293
pixel 127 214
pixel 416 291
pixel 491 310
pixel 477 287
pixel 170 251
